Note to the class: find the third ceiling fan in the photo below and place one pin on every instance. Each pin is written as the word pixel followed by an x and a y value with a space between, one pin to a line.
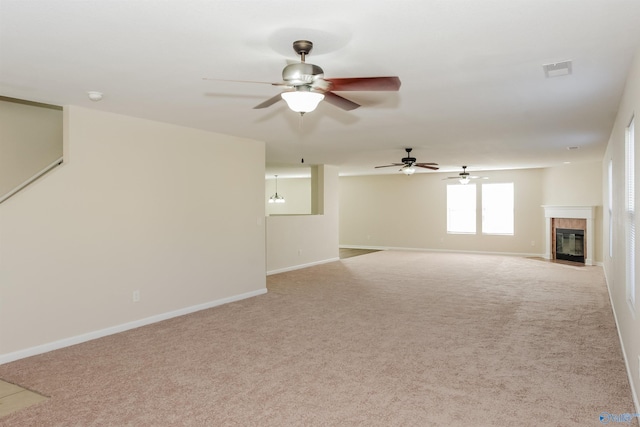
pixel 465 177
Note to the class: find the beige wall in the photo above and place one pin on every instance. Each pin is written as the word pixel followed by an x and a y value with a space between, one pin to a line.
pixel 398 211
pixel 30 140
pixel 295 241
pixel 139 205
pixel 577 185
pixel 573 185
pixel 627 317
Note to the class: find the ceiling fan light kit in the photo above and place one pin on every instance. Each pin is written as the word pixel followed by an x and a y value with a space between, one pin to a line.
pixel 302 101
pixel 408 170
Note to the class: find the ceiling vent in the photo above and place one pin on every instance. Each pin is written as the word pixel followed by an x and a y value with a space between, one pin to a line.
pixel 557 69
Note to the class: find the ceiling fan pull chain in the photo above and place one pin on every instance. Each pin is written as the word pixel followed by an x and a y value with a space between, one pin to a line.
pixel 301 134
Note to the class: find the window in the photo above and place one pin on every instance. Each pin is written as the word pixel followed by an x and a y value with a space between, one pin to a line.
pixel 610 187
pixel 497 208
pixel 461 208
pixel 630 213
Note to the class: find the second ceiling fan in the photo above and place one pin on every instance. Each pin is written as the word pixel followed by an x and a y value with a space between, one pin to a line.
pixel 306 85
pixel 409 164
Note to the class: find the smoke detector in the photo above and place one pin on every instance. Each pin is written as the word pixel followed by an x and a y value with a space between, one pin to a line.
pixel 557 69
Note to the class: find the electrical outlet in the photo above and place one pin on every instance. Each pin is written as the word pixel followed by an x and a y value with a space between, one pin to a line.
pixel 533 243
pixel 299 251
pixel 136 296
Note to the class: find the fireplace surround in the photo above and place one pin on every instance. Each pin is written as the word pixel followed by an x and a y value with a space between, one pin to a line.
pixel 570 212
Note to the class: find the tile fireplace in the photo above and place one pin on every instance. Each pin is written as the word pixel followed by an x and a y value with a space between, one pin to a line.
pixel 569 233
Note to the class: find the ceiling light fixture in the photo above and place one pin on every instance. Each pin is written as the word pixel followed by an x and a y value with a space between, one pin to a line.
pixel 302 100
pixel 464 181
pixel 276 198
pixel 95 96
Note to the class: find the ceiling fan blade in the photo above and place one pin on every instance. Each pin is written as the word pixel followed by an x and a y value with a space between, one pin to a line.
pixel 365 83
pixel 246 81
pixel 320 85
pixel 422 165
pixel 452 177
pixel 340 102
pixel 426 164
pixel 269 102
pixel 387 166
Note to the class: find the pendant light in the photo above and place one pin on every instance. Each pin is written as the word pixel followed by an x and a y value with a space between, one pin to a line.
pixel 276 198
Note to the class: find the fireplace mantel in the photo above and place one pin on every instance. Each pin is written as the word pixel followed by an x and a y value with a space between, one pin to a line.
pixel 580 212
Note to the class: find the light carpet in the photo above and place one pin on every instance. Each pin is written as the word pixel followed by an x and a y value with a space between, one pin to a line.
pixel 385 339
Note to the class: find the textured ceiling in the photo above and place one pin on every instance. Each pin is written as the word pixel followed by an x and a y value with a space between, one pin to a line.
pixel 473 87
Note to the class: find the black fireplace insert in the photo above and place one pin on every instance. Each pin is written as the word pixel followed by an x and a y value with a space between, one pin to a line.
pixel 570 244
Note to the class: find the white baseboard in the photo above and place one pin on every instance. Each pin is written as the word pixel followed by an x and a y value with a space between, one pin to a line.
pixel 66 342
pixel 634 393
pixel 300 266
pixel 374 248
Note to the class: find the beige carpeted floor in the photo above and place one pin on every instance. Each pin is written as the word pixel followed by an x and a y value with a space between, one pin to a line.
pixel 384 339
pixel 350 252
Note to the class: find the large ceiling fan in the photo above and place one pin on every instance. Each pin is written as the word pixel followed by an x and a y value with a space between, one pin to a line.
pixel 409 164
pixel 464 177
pixel 306 85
